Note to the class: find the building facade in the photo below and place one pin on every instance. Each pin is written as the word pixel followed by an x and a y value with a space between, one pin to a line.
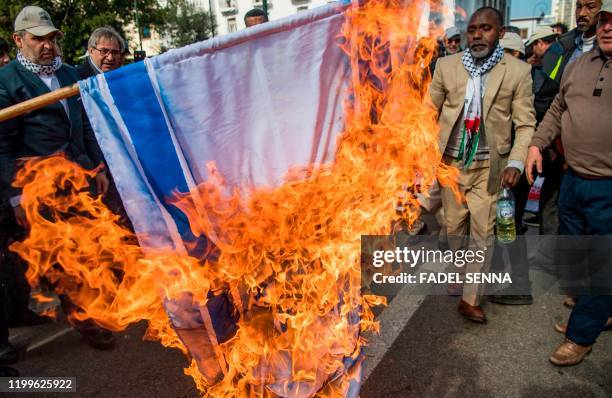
pixel 230 13
pixel 565 11
pixel 467 8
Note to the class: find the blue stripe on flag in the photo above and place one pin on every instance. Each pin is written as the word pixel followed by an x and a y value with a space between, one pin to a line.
pixel 137 103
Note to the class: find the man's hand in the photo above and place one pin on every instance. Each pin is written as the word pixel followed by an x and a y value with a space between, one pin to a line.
pixel 533 157
pixel 102 183
pixel 20 217
pixel 510 177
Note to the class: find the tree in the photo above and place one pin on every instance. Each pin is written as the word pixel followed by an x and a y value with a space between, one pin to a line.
pixel 78 18
pixel 185 24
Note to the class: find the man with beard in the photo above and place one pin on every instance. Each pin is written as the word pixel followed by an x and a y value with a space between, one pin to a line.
pixel 575 42
pixel 480 93
pixel 58 128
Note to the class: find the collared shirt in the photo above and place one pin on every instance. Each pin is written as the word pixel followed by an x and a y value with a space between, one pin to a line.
pixel 53 84
pixel 582 115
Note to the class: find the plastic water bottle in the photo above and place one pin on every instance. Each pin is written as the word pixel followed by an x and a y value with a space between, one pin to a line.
pixel 506 227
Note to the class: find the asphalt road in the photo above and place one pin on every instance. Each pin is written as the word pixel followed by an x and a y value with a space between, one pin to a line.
pixel 425 349
pixel 436 354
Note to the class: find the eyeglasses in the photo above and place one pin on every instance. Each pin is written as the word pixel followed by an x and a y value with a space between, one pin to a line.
pixel 105 52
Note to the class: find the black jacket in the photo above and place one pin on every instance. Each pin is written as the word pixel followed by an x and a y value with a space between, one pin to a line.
pixel 544 89
pixel 558 55
pixel 45 131
pixel 85 69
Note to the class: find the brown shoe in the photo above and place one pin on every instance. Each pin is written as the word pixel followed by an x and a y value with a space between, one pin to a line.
pixel 569 353
pixel 472 312
pixel 569 302
pixel 562 327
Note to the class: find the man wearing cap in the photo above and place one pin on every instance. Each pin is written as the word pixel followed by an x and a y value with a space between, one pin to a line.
pixel 452 40
pixel 61 127
pixel 558 56
pixel 540 41
pixel 581 115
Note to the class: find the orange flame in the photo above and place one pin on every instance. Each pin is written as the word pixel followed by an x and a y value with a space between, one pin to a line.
pixel 287 257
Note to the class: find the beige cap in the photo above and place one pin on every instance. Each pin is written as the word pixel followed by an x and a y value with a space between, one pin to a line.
pixel 452 32
pixel 35 20
pixel 606 7
pixel 512 41
pixel 541 33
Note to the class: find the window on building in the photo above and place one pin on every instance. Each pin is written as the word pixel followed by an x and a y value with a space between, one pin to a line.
pixel 228 3
pixel 232 26
pixel 302 8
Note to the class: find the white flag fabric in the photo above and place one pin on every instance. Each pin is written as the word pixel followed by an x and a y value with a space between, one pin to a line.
pixel 256 102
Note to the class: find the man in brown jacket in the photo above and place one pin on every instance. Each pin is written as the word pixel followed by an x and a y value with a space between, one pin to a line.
pixel 581 115
pixel 480 93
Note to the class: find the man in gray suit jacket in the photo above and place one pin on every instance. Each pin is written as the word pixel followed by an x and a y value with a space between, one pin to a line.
pixel 58 128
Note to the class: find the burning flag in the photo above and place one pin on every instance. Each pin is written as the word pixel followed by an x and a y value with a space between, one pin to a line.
pixel 249 165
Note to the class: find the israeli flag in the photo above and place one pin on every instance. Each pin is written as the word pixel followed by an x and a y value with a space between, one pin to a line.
pixel 256 103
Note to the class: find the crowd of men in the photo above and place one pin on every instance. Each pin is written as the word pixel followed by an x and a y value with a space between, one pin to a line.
pixel 505 107
pixel 508 110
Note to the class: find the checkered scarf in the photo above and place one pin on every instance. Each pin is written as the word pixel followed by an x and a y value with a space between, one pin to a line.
pixel 472 109
pixel 39 69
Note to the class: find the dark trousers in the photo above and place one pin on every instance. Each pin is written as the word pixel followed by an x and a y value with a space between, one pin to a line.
pixel 14 288
pixel 549 196
pixel 585 208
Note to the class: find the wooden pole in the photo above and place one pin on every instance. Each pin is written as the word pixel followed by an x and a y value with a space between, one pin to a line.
pixel 38 102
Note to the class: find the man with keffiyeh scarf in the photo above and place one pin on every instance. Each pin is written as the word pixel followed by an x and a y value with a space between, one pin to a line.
pixel 62 127
pixel 480 93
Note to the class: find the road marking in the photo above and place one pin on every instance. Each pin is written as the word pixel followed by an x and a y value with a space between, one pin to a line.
pixel 49 339
pixel 393 320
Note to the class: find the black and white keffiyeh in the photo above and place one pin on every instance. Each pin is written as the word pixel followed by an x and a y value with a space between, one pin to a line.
pixel 472 110
pixel 40 69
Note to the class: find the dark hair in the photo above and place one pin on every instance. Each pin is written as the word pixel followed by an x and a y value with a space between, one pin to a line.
pixel 255 12
pixel 4 47
pixel 498 14
pixel 562 27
